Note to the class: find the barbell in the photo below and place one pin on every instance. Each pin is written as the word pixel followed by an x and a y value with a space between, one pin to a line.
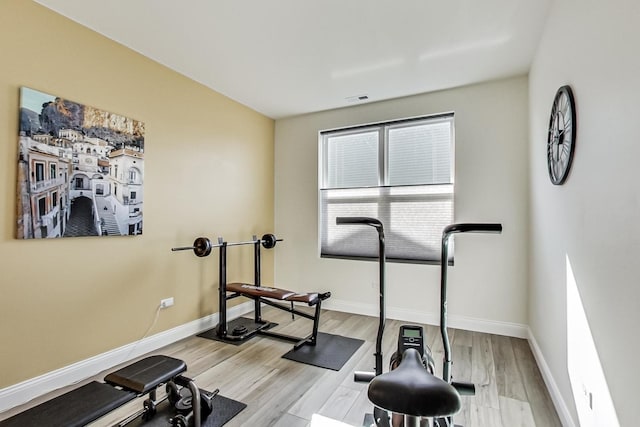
pixel 202 246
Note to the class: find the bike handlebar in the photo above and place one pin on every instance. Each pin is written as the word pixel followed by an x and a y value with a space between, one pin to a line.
pixel 472 228
pixel 373 222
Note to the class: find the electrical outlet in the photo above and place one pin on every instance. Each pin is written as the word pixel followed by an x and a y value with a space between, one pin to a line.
pixel 588 396
pixel 167 302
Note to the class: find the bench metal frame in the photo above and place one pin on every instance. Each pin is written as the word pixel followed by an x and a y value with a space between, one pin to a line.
pixel 242 329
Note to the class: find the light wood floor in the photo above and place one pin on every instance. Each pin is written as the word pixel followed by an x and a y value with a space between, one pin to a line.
pixel 279 392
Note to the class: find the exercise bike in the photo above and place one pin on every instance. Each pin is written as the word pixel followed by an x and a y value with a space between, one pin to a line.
pixel 410 391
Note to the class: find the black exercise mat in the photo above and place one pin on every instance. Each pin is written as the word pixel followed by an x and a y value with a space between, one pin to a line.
pixel 224 409
pixel 330 351
pixel 212 334
pixel 77 407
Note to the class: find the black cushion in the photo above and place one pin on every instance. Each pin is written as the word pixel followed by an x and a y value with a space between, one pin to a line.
pixel 75 408
pixel 146 374
pixel 410 389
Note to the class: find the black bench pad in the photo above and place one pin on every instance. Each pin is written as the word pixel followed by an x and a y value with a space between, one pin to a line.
pixel 146 374
pixel 75 408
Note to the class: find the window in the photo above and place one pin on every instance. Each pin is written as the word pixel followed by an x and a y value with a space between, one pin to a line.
pixel 52 171
pixel 42 207
pixel 400 172
pixel 39 171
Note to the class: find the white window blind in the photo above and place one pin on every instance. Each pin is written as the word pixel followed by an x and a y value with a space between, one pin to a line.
pixel 399 172
pixel 352 160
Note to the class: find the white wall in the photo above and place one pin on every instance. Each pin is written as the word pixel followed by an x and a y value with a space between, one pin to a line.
pixel 589 227
pixel 488 282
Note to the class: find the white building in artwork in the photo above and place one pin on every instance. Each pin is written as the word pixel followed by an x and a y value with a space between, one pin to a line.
pixel 126 179
pixel 43 174
pixel 90 162
pixel 70 135
pixel 56 172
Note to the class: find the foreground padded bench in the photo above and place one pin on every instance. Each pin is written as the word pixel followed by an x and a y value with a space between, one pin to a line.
pixel 146 375
pixel 95 399
pixel 73 409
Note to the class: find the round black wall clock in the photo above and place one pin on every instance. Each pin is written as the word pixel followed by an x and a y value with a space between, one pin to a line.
pixel 562 135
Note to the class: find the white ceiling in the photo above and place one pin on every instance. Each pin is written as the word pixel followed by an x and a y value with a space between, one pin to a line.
pixel 288 57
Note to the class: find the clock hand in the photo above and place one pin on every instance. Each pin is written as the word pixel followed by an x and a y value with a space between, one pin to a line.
pixel 556 147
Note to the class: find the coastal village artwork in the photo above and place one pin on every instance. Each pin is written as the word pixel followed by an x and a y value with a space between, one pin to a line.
pixel 80 170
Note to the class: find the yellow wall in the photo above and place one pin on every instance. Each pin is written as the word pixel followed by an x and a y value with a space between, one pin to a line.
pixel 208 171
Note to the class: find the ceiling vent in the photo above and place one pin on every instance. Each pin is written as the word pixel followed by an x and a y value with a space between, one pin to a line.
pixel 357 98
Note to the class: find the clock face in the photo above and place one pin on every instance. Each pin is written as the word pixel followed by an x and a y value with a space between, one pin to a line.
pixel 561 139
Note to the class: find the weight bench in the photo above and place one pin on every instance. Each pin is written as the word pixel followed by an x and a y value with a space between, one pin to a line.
pixel 267 295
pixel 242 329
pixel 95 399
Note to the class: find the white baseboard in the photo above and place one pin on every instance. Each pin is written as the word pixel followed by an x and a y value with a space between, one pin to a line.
pixel 25 391
pixel 554 391
pixel 459 322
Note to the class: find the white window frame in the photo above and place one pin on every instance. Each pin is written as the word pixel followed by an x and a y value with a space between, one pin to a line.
pixel 365 245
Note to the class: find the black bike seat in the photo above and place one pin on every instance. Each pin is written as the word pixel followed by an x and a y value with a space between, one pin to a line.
pixel 410 389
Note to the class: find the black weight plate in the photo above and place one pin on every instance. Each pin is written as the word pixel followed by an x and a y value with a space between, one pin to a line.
pixel 173 394
pixel 179 421
pixel 268 241
pixel 184 405
pixel 202 247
